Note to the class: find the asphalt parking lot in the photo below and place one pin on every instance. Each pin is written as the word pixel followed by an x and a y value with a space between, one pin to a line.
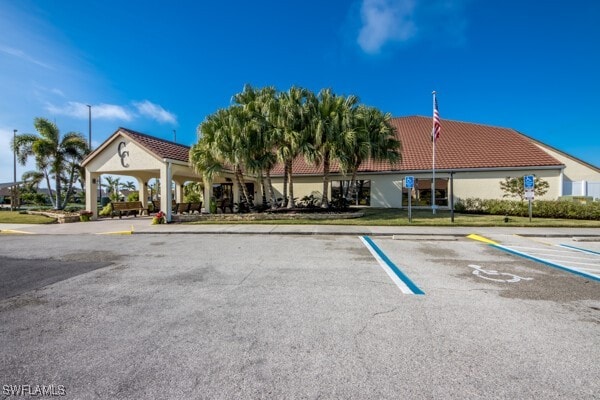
pixel 297 316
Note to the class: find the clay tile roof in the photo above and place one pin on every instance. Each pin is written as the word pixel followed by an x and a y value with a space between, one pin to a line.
pixel 159 147
pixel 461 145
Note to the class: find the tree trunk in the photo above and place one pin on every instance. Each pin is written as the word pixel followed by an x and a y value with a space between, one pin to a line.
pixel 263 189
pixel 324 200
pixel 58 187
pixel 291 202
pixel 271 192
pixel 285 184
pixel 50 194
pixel 241 184
pixel 70 187
pixel 352 183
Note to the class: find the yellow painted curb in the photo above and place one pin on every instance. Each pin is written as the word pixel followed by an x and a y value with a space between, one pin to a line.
pixel 116 233
pixel 481 239
pixel 12 231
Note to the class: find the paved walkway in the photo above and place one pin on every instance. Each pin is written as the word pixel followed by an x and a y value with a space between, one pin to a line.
pixel 143 225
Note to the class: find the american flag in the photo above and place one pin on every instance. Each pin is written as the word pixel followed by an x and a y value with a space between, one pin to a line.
pixel 437 127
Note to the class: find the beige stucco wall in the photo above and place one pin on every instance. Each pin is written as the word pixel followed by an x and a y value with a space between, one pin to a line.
pixel 137 158
pixel 386 189
pixel 574 170
pixel 486 184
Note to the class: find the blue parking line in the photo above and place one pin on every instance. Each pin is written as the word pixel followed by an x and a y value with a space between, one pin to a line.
pixel 546 262
pixel 410 284
pixel 580 249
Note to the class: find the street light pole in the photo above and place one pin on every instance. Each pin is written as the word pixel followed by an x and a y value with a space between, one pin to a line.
pixel 90 125
pixel 13 202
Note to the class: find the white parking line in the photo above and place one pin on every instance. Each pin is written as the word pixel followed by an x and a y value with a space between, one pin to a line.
pixel 403 282
pixel 549 257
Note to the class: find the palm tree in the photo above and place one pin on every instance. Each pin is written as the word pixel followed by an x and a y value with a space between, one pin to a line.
pixel 112 185
pixel 129 185
pixel 261 109
pixel 375 139
pixel 292 119
pixel 223 144
pixel 55 157
pixel 332 132
pixel 32 180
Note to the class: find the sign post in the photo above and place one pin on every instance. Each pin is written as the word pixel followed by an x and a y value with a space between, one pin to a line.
pixel 409 183
pixel 529 182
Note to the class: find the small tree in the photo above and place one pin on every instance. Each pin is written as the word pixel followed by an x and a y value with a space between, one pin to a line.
pixel 515 187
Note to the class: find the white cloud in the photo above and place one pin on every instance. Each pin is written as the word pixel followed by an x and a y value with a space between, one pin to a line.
pixel 385 21
pixel 100 111
pixel 58 92
pixel 111 111
pixel 155 112
pixel 22 55
pixel 144 108
pixel 400 21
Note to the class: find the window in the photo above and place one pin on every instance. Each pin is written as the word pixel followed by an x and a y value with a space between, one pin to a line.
pixel 223 190
pixel 421 195
pixel 359 194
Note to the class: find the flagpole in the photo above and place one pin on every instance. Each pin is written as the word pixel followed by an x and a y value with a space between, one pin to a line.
pixel 433 161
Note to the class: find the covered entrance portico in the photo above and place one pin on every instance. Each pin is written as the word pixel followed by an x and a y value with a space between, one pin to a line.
pixel 144 157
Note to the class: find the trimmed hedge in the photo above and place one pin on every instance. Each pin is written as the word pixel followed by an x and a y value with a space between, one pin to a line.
pixel 540 208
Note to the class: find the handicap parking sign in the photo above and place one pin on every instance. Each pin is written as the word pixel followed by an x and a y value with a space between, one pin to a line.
pixel 409 182
pixel 528 180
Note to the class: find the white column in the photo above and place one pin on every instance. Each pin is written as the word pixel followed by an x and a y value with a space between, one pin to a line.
pixel 584 188
pixel 208 194
pixel 561 182
pixel 236 194
pixel 91 192
pixel 165 190
pixel 142 191
pixel 178 191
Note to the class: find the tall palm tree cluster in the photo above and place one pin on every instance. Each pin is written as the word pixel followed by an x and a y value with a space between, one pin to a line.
pixel 264 127
pixel 58 158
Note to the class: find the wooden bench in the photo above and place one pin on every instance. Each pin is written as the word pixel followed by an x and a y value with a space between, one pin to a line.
pixel 187 208
pixel 224 204
pixel 127 207
pixel 195 207
pixel 181 208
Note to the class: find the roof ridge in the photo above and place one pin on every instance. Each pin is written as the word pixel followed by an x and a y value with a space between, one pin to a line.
pixel 457 121
pixel 152 137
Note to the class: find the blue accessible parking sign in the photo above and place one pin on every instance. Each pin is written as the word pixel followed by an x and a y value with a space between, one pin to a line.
pixel 409 182
pixel 528 180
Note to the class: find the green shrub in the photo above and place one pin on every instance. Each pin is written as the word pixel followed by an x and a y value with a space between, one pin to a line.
pixel 540 208
pixel 578 199
pixel 74 208
pixel 105 212
pixel 133 196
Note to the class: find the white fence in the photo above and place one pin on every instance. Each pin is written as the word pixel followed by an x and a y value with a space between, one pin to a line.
pixel 581 188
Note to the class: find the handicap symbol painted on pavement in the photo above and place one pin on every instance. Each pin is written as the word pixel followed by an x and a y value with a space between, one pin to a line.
pixel 485 274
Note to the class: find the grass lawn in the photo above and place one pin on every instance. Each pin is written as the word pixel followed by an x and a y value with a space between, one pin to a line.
pixel 14 217
pixel 396 217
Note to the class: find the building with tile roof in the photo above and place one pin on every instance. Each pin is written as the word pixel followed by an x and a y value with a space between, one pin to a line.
pixel 471 158
pixel 477 157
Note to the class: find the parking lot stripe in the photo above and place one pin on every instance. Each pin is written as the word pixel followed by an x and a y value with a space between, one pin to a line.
pixel 116 233
pixel 13 231
pixel 400 279
pixel 566 246
pixel 481 239
pixel 549 263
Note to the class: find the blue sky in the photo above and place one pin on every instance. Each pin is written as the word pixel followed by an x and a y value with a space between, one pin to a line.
pixel 158 66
